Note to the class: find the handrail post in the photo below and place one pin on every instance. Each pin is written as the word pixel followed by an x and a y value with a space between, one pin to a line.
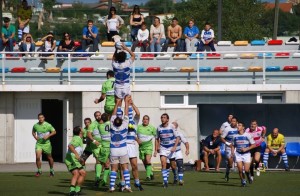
pixel 264 68
pixel 133 72
pixel 198 67
pixel 3 68
pixel 69 68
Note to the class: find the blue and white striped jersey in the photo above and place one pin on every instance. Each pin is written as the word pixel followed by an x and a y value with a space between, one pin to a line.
pixel 228 133
pixel 242 141
pixel 182 139
pixel 118 137
pixel 167 136
pixel 122 73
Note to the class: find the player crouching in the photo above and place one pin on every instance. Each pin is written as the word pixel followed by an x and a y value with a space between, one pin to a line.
pixel 74 162
pixel 243 143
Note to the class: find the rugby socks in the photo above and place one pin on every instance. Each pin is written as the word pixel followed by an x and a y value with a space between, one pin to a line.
pixel 165 175
pixel 137 182
pixel 285 160
pixel 180 169
pixel 130 113
pixel 98 169
pixel 77 189
pixel 52 170
pixel 127 177
pixel 113 176
pixel 252 170
pixel 106 174
pixel 256 164
pixel 175 174
pixel 265 159
pixel 227 169
pixel 39 170
pixel 149 170
pixel 72 188
pixel 168 173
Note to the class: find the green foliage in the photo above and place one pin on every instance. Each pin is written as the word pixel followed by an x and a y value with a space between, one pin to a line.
pixel 48 4
pixel 160 6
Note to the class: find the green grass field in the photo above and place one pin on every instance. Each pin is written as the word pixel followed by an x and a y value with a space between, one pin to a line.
pixel 196 183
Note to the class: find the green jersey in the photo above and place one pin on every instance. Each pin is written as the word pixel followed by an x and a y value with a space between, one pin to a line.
pixel 108 89
pixel 78 145
pixel 94 129
pixel 146 134
pixel 42 130
pixel 7 32
pixel 105 134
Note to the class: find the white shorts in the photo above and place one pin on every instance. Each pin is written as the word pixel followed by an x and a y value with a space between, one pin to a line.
pixel 132 150
pixel 122 92
pixel 167 153
pixel 228 152
pixel 119 159
pixel 245 158
pixel 178 155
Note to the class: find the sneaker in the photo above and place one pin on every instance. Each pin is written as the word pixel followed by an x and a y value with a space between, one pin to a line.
pixel 127 189
pixel 103 183
pixel 51 173
pixel 121 188
pixel 226 177
pixel 181 183
pixel 287 169
pixel 97 183
pixel 243 183
pixel 250 179
pixel 37 174
pixel 165 185
pixel 257 172
pixel 175 182
pixel 112 189
pixel 139 187
pixel 152 177
pixel 148 179
pixel 72 193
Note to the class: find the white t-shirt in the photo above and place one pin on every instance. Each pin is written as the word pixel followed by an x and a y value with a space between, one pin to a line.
pixel 143 35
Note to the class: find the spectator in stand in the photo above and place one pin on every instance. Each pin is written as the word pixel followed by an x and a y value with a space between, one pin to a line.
pixel 174 34
pixel 207 38
pixel 65 45
pixel 27 45
pixel 90 36
pixel 212 145
pixel 8 35
pixel 142 39
pixel 48 46
pixel 157 35
pixel 191 33
pixel 136 21
pixel 24 15
pixel 113 23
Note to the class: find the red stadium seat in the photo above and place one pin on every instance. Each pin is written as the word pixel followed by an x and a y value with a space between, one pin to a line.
pixel 221 69
pixel 282 55
pixel 18 70
pixel 275 42
pixel 147 56
pixel 77 43
pixel 290 68
pixel 213 55
pixel 153 69
pixel 86 70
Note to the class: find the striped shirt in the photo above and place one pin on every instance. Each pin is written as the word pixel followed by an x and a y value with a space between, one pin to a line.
pixel 118 137
pixel 228 133
pixel 122 73
pixel 242 141
pixel 182 139
pixel 256 134
pixel 167 136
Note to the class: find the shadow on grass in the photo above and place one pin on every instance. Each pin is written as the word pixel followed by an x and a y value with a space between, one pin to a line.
pixel 215 182
pixel 26 175
pixel 57 193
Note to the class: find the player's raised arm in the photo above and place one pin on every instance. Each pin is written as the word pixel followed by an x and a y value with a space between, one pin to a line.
pixel 129 51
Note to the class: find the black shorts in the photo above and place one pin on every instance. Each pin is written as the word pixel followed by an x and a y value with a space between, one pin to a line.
pixel 85 155
pixel 254 150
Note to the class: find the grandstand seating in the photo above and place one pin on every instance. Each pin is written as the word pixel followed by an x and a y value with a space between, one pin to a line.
pixel 35 70
pixel 293 150
pixel 72 70
pixel 221 69
pixel 153 69
pixel 231 56
pixel 258 43
pixel 282 55
pixel 197 56
pixel 204 69
pixel 6 70
pixel 180 57
pixel 53 70
pixel 296 55
pixel 107 44
pixel 18 70
pixel 241 43
pixel 224 43
pixel 213 56
pixel 170 69
pixel 186 69
pixel 273 68
pixel 238 69
pixel 147 56
pixel 102 69
pixel 86 69
pixel 138 69
pixel 163 57
pixel 265 55
pixel 255 68
pixel 275 42
pixel 247 56
pixel 290 68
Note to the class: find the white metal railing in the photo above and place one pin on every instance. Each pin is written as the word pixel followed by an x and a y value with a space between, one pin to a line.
pixel 197 80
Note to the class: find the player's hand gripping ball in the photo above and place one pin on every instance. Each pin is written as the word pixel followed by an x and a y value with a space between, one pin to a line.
pixel 130 126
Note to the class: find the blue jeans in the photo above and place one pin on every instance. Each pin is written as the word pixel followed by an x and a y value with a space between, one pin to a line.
pixel 9 44
pixel 178 47
pixel 23 47
pixel 201 45
pixel 156 47
pixel 134 32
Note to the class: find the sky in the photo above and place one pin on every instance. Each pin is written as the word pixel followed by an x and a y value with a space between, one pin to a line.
pixel 132 2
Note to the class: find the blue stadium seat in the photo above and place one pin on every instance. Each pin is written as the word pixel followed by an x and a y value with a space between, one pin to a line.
pixel 5 70
pixel 128 44
pixel 57 43
pixel 264 55
pixel 128 56
pixel 293 149
pixel 258 43
pixel 137 70
pixel 273 68
pixel 197 56
pixel 204 69
pixel 72 70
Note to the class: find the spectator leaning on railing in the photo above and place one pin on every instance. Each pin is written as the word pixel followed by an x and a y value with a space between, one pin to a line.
pixel 8 35
pixel 65 45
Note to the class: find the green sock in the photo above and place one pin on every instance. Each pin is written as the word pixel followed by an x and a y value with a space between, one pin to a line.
pixel 106 174
pixel 149 170
pixel 51 170
pixel 72 188
pixel 77 189
pixel 98 171
pixel 40 170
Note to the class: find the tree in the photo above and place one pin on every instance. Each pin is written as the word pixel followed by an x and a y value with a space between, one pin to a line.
pixel 48 7
pixel 160 6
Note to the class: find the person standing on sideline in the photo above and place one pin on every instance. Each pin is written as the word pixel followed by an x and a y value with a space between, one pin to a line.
pixel 191 33
pixel 242 143
pixel 165 144
pixel 74 162
pixel 258 134
pixel 146 133
pixel 118 146
pixel 108 93
pixel 42 131
pixel 136 21
pixel 113 23
pixel 206 38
